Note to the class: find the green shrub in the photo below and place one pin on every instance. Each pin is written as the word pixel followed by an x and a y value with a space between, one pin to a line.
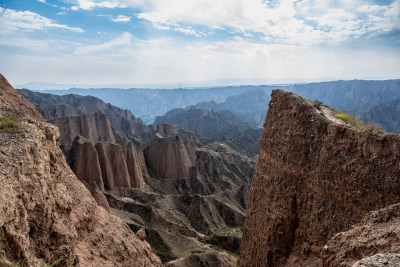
pixel 11 124
pixel 355 123
pixel 317 103
pixel 344 117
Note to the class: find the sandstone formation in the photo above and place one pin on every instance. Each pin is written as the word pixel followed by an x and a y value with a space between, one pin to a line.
pixel 106 165
pixel 200 215
pixel 171 157
pixel 46 212
pixel 95 127
pixel 211 126
pixel 11 100
pixel 378 232
pixel 314 178
pixel 53 107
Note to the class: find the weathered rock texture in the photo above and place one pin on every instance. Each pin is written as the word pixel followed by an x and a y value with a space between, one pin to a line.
pixel 221 126
pixel 10 99
pixel 45 211
pixel 53 107
pixel 107 165
pixel 314 178
pixel 183 216
pixel 95 127
pixel 171 157
pixel 378 232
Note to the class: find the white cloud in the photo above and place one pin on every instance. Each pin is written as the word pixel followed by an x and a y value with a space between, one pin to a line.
pixel 127 60
pixel 121 18
pixel 121 41
pixel 288 21
pixel 12 21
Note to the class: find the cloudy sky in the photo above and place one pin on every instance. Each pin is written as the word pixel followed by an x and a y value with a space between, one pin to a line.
pixel 171 41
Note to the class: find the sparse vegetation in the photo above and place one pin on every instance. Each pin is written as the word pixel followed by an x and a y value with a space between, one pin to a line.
pixel 317 104
pixel 11 124
pixel 355 123
pixel 344 117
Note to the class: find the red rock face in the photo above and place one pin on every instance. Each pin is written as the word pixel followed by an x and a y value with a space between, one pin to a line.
pixel 95 127
pixel 314 178
pixel 46 213
pixel 132 157
pixel 171 157
pixel 12 100
pixel 106 165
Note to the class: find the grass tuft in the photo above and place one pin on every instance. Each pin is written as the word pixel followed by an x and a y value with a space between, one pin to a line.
pixel 11 124
pixel 355 123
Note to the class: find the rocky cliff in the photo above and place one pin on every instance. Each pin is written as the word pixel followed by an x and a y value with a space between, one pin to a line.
pixel 172 156
pixel 212 126
pixel 46 212
pixel 107 165
pixel 54 107
pixel 95 127
pixel 315 177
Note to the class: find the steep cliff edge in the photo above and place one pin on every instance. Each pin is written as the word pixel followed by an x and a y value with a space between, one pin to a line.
pixel 107 165
pixel 314 178
pixel 46 213
pixel 171 157
pixel 94 127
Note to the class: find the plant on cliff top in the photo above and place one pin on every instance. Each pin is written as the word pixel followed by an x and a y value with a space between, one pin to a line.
pixel 317 104
pixel 355 123
pixel 11 124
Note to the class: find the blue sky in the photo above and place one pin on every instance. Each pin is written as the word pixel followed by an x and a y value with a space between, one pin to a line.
pixel 141 42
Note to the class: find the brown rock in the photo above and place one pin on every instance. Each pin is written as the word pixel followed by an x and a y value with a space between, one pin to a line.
pixel 47 213
pixel 113 165
pixel 378 232
pixel 141 234
pixel 132 157
pixel 94 127
pixel 85 162
pixel 314 178
pixel 100 198
pixel 10 99
pixel 171 157
pixel 106 165
pixel 164 129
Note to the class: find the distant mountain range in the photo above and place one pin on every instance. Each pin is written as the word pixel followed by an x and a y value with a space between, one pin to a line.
pixel 248 102
pixel 387 115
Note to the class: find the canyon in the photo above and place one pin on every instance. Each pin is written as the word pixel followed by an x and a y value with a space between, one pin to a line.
pixel 198 187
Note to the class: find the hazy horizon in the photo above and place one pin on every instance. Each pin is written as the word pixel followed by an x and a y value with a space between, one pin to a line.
pixel 160 42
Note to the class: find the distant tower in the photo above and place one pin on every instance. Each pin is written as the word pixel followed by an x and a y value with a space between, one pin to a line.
pixel 179 85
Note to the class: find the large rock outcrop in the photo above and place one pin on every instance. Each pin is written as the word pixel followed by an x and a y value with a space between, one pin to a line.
pixel 95 127
pixel 54 107
pixel 107 165
pixel 378 232
pixel 171 157
pixel 46 213
pixel 314 178
pixel 215 126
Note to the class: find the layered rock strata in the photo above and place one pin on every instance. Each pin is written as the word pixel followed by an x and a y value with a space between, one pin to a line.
pixel 314 178
pixel 171 157
pixel 107 165
pixel 46 212
pixel 94 127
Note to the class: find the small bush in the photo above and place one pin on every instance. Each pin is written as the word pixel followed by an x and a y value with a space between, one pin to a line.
pixel 11 124
pixel 343 117
pixel 355 123
pixel 317 103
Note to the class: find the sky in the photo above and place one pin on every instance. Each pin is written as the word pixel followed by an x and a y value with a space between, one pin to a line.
pixel 195 42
